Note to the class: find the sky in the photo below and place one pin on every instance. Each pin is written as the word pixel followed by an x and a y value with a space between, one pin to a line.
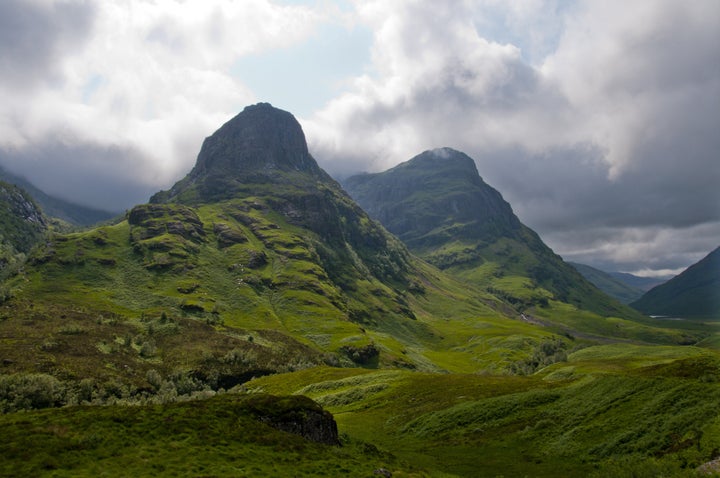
pixel 598 120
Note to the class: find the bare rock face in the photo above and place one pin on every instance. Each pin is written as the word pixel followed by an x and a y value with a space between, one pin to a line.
pixel 261 145
pixel 296 414
pixel 260 138
pixel 21 222
pixel 152 220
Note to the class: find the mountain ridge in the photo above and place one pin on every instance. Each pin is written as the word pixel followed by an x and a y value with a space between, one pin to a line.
pixel 52 206
pixel 439 205
pixel 693 293
pixel 609 283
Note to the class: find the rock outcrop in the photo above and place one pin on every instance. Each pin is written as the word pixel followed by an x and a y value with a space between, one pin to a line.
pixel 22 224
pixel 295 414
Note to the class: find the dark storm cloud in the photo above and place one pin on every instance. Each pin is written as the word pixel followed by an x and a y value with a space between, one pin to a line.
pixel 110 177
pixel 34 35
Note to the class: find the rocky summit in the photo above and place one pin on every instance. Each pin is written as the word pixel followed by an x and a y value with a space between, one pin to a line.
pixel 260 145
pixel 435 196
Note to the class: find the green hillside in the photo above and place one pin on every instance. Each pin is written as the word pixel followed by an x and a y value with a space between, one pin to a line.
pixel 693 293
pixel 442 209
pixel 148 347
pixel 226 277
pixel 608 284
pixel 653 412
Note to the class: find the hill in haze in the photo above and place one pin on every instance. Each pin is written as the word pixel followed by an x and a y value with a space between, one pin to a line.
pixel 639 282
pixel 55 207
pixel 438 204
pixel 609 284
pixel 693 293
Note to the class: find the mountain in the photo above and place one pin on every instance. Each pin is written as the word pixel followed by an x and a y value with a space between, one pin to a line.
pixel 22 225
pixel 256 262
pixel 639 282
pixel 58 208
pixel 608 283
pixel 693 293
pixel 256 281
pixel 438 204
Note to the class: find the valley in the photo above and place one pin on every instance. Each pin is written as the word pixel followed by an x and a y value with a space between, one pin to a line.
pixel 441 333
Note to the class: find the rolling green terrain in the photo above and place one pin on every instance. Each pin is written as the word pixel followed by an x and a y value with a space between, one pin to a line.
pixel 146 347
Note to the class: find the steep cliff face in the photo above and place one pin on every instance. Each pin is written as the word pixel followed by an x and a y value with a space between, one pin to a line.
pixel 262 145
pixel 21 220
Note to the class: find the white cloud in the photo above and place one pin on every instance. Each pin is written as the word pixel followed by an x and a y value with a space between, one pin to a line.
pixel 154 77
pixel 615 125
pixel 590 117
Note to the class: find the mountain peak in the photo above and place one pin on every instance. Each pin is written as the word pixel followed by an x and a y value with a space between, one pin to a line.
pixel 261 137
pixel 444 161
pixel 436 193
pixel 260 145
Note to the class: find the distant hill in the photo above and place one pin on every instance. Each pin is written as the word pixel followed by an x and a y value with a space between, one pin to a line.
pixel 438 204
pixel 638 282
pixel 58 208
pixel 693 293
pixel 609 284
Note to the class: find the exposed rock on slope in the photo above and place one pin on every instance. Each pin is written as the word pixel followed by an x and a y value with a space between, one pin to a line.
pixel 22 225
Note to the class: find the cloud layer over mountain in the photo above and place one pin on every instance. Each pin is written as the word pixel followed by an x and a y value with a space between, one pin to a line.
pixel 598 121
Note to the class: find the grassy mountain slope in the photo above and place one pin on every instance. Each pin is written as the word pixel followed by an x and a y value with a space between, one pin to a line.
pixel 229 276
pixel 621 411
pixel 58 208
pixel 438 205
pixel 257 273
pixel 608 284
pixel 693 293
pixel 180 440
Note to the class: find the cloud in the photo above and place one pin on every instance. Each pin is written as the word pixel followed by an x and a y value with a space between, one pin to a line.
pixel 100 175
pixel 608 125
pixel 33 34
pixel 597 120
pixel 140 82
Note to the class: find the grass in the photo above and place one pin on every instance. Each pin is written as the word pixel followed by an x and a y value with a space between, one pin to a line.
pixel 657 417
pixel 181 302
pixel 242 265
pixel 175 440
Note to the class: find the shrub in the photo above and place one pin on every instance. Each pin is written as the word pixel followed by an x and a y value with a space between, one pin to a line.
pixel 29 391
